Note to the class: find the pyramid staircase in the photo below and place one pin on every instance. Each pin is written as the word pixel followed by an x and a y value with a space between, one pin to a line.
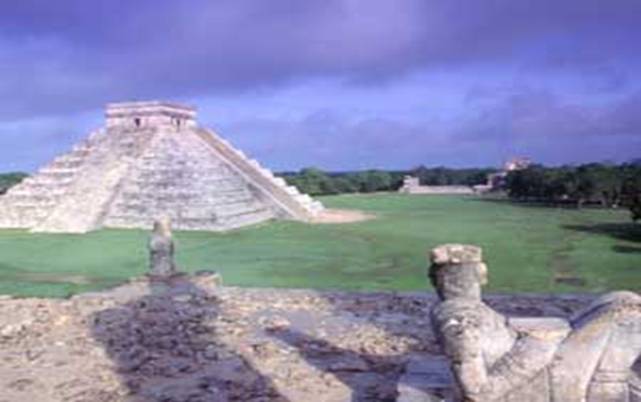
pixel 287 197
pixel 177 174
pixel 31 201
pixel 152 160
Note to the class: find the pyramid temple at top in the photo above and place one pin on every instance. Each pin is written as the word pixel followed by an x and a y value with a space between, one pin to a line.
pixel 151 160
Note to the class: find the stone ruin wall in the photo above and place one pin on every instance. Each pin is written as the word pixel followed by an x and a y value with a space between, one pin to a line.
pixel 411 185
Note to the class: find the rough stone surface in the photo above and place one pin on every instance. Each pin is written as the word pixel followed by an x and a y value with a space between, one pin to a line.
pixel 161 251
pixel 151 159
pixel 590 357
pixel 189 339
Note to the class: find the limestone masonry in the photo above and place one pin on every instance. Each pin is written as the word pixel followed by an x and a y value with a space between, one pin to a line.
pixel 411 185
pixel 152 159
pixel 592 357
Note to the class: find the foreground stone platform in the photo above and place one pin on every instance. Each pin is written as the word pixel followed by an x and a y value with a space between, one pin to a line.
pixel 194 340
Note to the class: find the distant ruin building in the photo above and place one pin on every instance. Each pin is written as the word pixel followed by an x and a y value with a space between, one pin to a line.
pixel 518 163
pixel 411 185
pixel 151 159
pixel 496 181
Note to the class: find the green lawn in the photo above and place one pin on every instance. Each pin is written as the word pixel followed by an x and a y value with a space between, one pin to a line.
pixel 527 249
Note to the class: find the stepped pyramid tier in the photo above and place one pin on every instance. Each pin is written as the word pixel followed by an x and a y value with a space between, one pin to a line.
pixel 152 159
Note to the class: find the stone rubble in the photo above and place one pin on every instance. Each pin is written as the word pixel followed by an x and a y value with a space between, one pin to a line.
pixel 193 340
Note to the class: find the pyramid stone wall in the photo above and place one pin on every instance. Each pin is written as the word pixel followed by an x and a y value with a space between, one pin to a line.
pixel 151 160
pixel 177 176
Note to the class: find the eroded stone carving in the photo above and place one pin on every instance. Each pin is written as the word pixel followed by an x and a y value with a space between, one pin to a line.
pixel 496 358
pixel 161 250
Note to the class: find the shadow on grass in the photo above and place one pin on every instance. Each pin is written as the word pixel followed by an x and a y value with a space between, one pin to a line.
pixel 621 231
pixel 626 249
pixel 525 204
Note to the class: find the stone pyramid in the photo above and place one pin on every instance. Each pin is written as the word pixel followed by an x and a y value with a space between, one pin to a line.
pixel 151 159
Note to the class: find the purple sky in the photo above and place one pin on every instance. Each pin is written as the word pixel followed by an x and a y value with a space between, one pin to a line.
pixel 337 84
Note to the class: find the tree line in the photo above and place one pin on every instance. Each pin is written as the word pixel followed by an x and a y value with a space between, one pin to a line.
pixel 606 185
pixel 593 183
pixel 7 180
pixel 314 181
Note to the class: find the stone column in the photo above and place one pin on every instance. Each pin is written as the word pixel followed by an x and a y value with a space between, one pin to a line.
pixel 161 250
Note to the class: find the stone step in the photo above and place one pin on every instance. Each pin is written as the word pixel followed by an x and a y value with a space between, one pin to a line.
pixel 160 182
pixel 276 188
pixel 304 199
pixel 212 175
pixel 36 194
pixel 229 184
pixel 33 198
pixel 280 182
pixel 81 210
pixel 207 213
pixel 55 171
pixel 165 194
pixel 168 192
pixel 233 209
pixel 34 189
pixel 240 153
pixel 171 170
pixel 34 212
pixel 237 221
pixel 127 222
pixel 68 160
pixel 68 164
pixel 31 204
pixel 194 222
pixel 79 152
pixel 140 202
pixel 316 206
pixel 44 182
pixel 267 173
pixel 230 198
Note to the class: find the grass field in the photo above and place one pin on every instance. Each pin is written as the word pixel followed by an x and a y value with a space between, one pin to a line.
pixel 527 249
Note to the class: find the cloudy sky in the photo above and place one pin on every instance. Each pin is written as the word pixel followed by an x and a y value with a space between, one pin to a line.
pixel 337 84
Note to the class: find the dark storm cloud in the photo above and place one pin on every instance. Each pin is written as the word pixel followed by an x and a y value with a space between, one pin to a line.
pixel 68 55
pixel 541 113
pixel 504 123
pixel 572 91
pixel 329 141
pixel 551 129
